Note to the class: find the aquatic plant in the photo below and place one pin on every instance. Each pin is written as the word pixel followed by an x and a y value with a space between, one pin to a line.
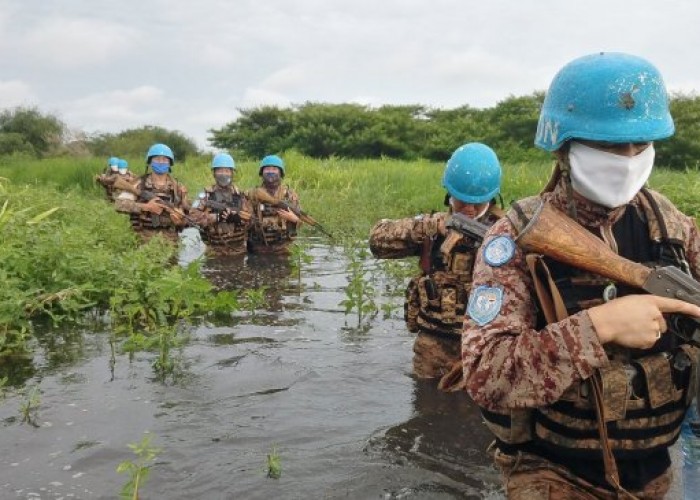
pixel 138 469
pixel 298 258
pixel 29 406
pixel 359 292
pixel 274 464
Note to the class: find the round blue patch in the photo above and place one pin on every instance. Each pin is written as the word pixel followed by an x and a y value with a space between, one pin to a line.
pixel 484 304
pixel 499 250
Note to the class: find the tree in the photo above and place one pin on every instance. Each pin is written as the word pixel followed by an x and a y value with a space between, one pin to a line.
pixel 135 142
pixel 26 130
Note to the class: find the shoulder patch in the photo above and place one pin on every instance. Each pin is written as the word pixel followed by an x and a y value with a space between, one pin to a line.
pixel 484 304
pixel 499 250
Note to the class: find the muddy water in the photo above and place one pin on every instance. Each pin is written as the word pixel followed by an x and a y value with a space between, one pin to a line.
pixel 336 402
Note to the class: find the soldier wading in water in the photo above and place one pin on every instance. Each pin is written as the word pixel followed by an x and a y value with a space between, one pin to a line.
pixel 436 299
pixel 580 378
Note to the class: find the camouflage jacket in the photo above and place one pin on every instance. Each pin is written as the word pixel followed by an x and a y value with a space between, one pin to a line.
pixel 509 364
pixel 270 233
pixel 435 301
pixel 223 234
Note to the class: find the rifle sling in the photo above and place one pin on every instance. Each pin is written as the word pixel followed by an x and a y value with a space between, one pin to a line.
pixel 554 310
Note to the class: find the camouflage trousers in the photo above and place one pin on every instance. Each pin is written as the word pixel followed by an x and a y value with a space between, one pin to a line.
pixel 434 356
pixel 529 477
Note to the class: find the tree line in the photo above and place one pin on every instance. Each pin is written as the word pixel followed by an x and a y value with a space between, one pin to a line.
pixel 322 130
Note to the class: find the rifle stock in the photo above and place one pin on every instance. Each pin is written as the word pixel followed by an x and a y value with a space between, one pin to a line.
pixel 552 233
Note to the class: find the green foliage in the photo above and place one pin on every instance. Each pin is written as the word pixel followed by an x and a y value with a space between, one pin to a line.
pixel 359 292
pixel 134 143
pixel 298 258
pixel 138 469
pixel 274 464
pixel 254 299
pixel 28 131
pixel 257 132
pixel 682 150
pixel 29 407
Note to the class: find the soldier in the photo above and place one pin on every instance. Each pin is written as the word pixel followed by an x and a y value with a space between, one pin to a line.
pixel 155 202
pixel 575 374
pixel 223 212
pixel 108 176
pixel 274 225
pixel 437 298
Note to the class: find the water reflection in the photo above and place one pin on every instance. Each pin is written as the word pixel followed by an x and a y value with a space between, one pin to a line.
pixel 445 435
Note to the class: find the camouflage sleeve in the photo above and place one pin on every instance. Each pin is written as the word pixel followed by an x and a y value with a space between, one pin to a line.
pixel 126 202
pixel 202 217
pixel 394 239
pixel 293 198
pixel 693 248
pixel 247 207
pixel 184 202
pixel 507 362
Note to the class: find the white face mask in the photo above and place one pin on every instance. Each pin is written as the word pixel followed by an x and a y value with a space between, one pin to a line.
pixel 606 178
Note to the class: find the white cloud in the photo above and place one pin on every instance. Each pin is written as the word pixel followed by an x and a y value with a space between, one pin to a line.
pixel 256 96
pixel 111 111
pixel 76 42
pixel 16 93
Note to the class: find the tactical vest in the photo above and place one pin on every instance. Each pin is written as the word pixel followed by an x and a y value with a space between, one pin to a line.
pixel 147 220
pixel 226 234
pixel 436 302
pixel 645 393
pixel 269 229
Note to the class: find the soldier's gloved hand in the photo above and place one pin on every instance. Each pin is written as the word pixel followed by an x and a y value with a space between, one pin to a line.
pixel 233 217
pixel 636 321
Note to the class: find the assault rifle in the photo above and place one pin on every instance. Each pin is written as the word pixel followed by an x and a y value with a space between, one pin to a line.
pixel 469 227
pixel 124 185
pixel 267 198
pixel 220 207
pixel 551 233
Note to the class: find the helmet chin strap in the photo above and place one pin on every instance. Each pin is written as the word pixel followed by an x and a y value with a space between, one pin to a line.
pixel 565 168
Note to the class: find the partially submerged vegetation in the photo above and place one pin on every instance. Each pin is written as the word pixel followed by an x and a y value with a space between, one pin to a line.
pixel 66 252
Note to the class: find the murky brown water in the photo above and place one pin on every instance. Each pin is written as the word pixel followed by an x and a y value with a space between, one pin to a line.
pixel 337 403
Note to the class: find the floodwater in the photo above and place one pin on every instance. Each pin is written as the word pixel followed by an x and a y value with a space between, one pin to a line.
pixel 299 378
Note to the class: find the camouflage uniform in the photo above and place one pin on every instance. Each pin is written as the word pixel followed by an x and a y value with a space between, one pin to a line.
pixel 270 233
pixel 224 237
pixel 147 223
pixel 531 379
pixel 435 302
pixel 106 180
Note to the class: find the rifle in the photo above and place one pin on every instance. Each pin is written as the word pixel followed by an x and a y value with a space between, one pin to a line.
pixel 220 207
pixel 122 184
pixel 552 233
pixel 267 198
pixel 471 228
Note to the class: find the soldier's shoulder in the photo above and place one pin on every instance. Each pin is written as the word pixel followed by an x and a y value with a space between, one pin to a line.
pixel 521 211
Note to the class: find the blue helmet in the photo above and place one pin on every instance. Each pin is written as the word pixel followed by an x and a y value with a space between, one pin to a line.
pixel 223 160
pixel 160 150
pixel 113 161
pixel 608 96
pixel 272 161
pixel 122 163
pixel 473 174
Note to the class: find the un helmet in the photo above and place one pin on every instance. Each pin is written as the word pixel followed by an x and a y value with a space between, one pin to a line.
pixel 473 174
pixel 608 96
pixel 272 161
pixel 122 163
pixel 223 160
pixel 113 161
pixel 160 150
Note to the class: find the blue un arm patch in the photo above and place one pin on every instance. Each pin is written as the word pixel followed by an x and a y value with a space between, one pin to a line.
pixel 484 304
pixel 499 251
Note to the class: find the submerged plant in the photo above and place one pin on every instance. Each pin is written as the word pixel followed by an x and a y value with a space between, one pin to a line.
pixel 298 258
pixel 29 407
pixel 274 464
pixel 359 292
pixel 138 469
pixel 254 299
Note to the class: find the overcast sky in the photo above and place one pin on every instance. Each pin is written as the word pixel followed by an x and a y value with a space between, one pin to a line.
pixel 188 65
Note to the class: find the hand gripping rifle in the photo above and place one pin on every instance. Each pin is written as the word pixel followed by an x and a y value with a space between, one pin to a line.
pixel 471 228
pixel 124 185
pixel 555 235
pixel 220 207
pixel 267 198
